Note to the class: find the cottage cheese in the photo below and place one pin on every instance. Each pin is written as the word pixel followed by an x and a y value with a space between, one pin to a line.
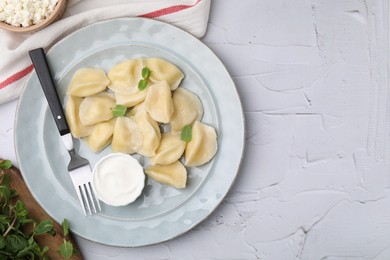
pixel 24 13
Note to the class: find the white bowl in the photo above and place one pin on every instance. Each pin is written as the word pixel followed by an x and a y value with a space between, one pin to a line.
pixel 118 179
pixel 53 17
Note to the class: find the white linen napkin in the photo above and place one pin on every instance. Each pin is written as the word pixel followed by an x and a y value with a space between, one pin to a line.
pixel 15 64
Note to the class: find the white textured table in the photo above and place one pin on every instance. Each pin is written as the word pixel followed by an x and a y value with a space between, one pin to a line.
pixel 315 179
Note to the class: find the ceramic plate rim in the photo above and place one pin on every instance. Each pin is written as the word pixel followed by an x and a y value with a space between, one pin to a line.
pixel 239 139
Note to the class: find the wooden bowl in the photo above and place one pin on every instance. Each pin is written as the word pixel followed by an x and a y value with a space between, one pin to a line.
pixel 55 15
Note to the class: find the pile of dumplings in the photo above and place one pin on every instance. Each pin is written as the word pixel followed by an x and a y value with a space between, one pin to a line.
pixel 153 122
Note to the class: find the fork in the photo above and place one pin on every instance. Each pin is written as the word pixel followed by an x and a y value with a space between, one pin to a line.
pixel 79 168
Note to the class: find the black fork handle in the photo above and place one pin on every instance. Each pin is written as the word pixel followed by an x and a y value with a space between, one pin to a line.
pixel 42 69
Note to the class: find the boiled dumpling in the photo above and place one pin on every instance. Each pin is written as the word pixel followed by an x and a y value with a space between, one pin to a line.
pixel 187 109
pixel 131 100
pixel 174 174
pixel 124 77
pixel 164 70
pixel 158 102
pixel 96 109
pixel 171 148
pixel 72 117
pixel 202 146
pixel 150 132
pixel 101 135
pixel 135 110
pixel 87 82
pixel 127 136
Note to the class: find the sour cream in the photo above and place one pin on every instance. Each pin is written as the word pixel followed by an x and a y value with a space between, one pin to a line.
pixel 118 179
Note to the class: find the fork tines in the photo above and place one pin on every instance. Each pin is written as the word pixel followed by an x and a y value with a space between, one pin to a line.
pixel 81 178
pixel 88 198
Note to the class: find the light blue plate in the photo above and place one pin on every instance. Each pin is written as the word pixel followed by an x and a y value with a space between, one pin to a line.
pixel 161 212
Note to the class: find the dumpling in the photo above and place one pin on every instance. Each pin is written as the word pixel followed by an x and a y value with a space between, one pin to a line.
pixel 202 146
pixel 158 102
pixel 101 135
pixel 131 100
pixel 96 109
pixel 135 110
pixel 72 117
pixel 187 109
pixel 171 148
pixel 124 77
pixel 87 82
pixel 174 174
pixel 150 132
pixel 164 70
pixel 127 136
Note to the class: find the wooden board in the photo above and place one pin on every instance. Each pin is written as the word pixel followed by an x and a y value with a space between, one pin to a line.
pixel 36 212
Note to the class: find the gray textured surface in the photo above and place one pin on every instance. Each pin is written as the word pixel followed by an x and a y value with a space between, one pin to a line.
pixel 314 184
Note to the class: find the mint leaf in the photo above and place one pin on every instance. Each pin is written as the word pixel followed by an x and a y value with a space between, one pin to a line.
pixel 145 73
pixel 28 252
pixel 66 249
pixel 65 227
pixel 142 84
pixel 5 180
pixel 119 110
pixel 45 227
pixel 2 242
pixel 5 193
pixel 186 133
pixel 16 243
pixel 20 210
pixel 6 164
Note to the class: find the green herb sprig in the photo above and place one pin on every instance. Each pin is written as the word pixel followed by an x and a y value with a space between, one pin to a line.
pixel 18 231
pixel 186 133
pixel 66 249
pixel 143 83
pixel 6 164
pixel 119 110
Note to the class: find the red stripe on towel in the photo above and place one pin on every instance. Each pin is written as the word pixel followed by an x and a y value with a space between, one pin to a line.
pixel 168 10
pixel 17 76
pixel 154 14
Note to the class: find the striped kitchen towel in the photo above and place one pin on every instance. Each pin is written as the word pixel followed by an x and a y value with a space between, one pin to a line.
pixel 15 65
